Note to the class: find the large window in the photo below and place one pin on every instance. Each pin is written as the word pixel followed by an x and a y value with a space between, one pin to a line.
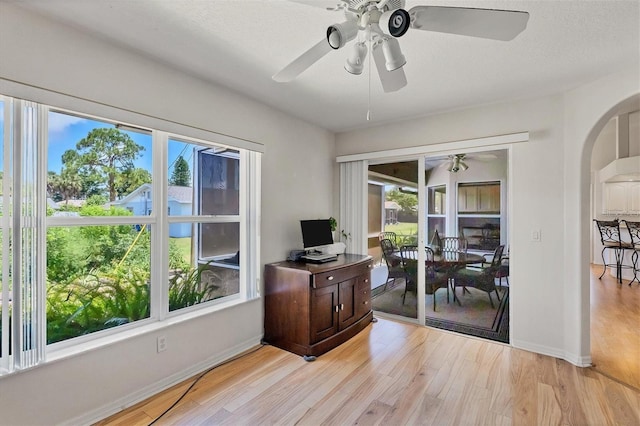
pixel 119 226
pixel 204 223
pixel 98 276
pixel 436 212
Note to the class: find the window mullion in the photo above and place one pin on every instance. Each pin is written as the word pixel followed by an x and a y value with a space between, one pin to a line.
pixel 41 231
pixel 159 238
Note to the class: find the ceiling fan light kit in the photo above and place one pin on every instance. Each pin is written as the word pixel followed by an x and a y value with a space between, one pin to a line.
pixel 355 61
pixel 381 22
pixel 457 163
pixel 393 56
pixel 338 35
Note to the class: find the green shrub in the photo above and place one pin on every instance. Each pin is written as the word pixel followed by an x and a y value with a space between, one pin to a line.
pixel 186 288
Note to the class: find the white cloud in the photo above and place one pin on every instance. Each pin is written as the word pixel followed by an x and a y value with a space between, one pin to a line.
pixel 59 122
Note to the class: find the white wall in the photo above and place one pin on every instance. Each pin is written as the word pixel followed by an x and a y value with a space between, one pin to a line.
pixel 549 297
pixel 49 55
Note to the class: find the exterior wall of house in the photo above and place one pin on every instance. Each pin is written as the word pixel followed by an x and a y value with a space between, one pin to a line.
pixel 179 230
pixel 100 381
pixel 139 206
pixel 549 192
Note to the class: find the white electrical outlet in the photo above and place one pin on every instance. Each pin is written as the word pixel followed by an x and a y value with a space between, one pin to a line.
pixel 536 235
pixel 162 344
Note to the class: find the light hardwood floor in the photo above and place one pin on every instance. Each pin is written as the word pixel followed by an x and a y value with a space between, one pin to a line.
pixel 396 374
pixel 615 327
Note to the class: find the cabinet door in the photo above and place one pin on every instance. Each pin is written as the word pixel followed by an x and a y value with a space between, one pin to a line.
pixel 615 198
pixel 324 313
pixel 346 301
pixel 363 296
pixel 489 199
pixel 467 199
pixel 633 206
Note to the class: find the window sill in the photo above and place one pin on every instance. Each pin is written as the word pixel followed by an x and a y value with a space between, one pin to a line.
pixel 62 350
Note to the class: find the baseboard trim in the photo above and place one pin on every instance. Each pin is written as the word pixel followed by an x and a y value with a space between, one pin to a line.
pixel 577 360
pixel 133 398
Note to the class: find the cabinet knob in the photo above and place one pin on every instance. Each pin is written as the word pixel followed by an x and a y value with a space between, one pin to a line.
pixel 337 308
pixel 366 280
pixel 330 278
pixel 342 306
pixel 365 302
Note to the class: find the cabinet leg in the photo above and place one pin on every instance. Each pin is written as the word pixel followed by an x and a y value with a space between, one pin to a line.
pixel 309 358
pixel 374 319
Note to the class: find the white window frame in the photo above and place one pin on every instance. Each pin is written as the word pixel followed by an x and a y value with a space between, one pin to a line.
pixel 250 171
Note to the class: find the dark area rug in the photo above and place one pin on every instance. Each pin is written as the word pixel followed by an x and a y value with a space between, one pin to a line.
pixel 474 317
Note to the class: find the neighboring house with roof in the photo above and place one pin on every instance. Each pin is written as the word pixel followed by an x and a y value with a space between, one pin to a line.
pixel 391 209
pixel 179 202
pixel 50 203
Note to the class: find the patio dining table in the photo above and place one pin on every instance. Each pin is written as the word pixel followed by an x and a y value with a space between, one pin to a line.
pixel 456 259
pixel 451 261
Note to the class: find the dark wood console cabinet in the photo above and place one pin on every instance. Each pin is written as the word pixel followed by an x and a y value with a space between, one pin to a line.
pixel 312 308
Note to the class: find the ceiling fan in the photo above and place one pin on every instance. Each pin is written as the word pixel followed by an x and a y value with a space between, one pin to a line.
pixel 458 162
pixel 377 25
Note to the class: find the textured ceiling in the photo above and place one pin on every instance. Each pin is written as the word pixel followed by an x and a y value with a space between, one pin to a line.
pixel 242 43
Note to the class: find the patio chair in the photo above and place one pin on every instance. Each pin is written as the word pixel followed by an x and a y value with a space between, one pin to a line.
pixel 484 280
pixel 388 235
pixel 393 262
pixel 453 244
pixel 433 280
pixel 503 270
pixel 611 240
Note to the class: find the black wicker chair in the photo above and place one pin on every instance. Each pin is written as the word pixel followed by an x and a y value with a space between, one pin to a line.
pixel 393 261
pixel 483 279
pixel 433 280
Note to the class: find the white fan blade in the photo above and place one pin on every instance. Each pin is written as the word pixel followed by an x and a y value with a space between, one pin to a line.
pixel 324 4
pixel 486 23
pixel 303 62
pixel 392 81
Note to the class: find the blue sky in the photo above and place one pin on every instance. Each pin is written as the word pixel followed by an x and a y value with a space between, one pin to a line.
pixel 65 131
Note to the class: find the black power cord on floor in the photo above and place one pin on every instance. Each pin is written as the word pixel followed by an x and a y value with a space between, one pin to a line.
pixel 204 373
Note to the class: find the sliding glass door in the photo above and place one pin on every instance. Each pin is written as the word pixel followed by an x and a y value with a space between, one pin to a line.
pixel 393 202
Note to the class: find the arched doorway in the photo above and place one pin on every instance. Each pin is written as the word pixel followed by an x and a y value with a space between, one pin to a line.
pixel 615 342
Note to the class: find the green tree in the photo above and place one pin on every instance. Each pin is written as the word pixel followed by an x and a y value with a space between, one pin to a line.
pixel 407 202
pixel 181 175
pixel 96 200
pixel 131 179
pixel 101 157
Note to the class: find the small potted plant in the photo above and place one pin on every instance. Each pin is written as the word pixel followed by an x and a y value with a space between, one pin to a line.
pixel 333 223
